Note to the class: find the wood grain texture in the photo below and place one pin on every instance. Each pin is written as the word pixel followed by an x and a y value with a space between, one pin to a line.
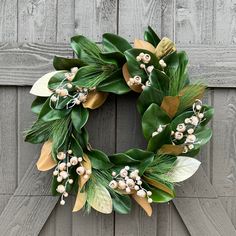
pixel 8 140
pixel 194 21
pixel 93 18
pixel 39 18
pixel 135 15
pixel 8 21
pixel 204 217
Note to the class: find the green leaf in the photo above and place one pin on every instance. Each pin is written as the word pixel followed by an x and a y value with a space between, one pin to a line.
pixel 62 63
pixel 134 65
pixel 160 196
pixel 79 117
pixel 49 114
pixel 151 37
pixel 115 84
pixel 57 80
pixel 99 159
pixel 76 148
pixel 85 49
pixel 160 139
pixel 37 104
pixel 82 137
pixel 147 97
pixel 121 203
pixel 160 81
pixel 122 159
pixel 152 118
pixel 180 119
pixel 90 76
pixel 116 58
pixel 115 43
pixel 203 135
pixel 208 112
pixel 139 154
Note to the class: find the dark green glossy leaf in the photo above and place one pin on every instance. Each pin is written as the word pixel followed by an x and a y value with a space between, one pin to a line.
pixel 160 81
pixel 37 104
pixel 85 49
pixel 116 58
pixel 160 139
pixel 62 63
pixel 82 137
pixel 76 148
pixel 49 114
pixel 208 112
pixel 79 117
pixel 121 204
pixel 151 37
pixel 147 97
pixel 139 154
pixel 56 81
pixel 203 135
pixel 160 196
pixel 115 84
pixel 115 43
pixel 122 159
pixel 99 160
pixel 152 118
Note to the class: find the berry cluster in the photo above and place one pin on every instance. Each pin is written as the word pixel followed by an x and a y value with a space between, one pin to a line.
pixel 128 180
pixel 66 160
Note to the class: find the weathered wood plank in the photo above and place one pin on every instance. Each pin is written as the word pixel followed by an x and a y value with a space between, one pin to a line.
pixel 205 217
pixel 8 140
pixel 37 21
pixel 135 15
pixel 101 128
pixel 22 64
pixel 193 21
pixel 128 133
pixel 224 148
pixel 8 21
pixel 225 29
pixel 25 215
pixel 229 203
pixel 95 18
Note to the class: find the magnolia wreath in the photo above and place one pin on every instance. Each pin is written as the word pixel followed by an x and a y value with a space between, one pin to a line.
pixel 173 120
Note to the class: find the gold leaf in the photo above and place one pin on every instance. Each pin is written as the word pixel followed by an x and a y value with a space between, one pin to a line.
pixel 165 47
pixel 87 165
pixel 135 87
pixel 159 185
pixel 80 201
pixel 144 45
pixel 171 149
pixel 143 202
pixel 46 161
pixel 170 105
pixel 95 99
pixel 100 199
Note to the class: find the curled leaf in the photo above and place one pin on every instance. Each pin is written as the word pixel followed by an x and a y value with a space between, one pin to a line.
pixel 170 105
pixel 136 88
pixel 40 87
pixel 46 161
pixel 171 149
pixel 165 47
pixel 184 168
pixel 144 45
pixel 80 201
pixel 95 99
pixel 143 202
pixel 159 185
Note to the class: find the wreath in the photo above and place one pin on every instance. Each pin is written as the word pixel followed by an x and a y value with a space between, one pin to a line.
pixel 173 120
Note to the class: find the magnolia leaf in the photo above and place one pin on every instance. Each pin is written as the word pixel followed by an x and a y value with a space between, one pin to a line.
pixel 40 87
pixel 80 201
pixel 151 37
pixel 135 87
pixel 140 44
pixel 143 202
pixel 159 185
pixel 171 149
pixel 165 47
pixel 170 105
pixel 46 161
pixel 99 198
pixel 95 99
pixel 184 168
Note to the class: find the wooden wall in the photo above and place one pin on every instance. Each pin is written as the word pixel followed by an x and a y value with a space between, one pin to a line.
pixel 32 31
